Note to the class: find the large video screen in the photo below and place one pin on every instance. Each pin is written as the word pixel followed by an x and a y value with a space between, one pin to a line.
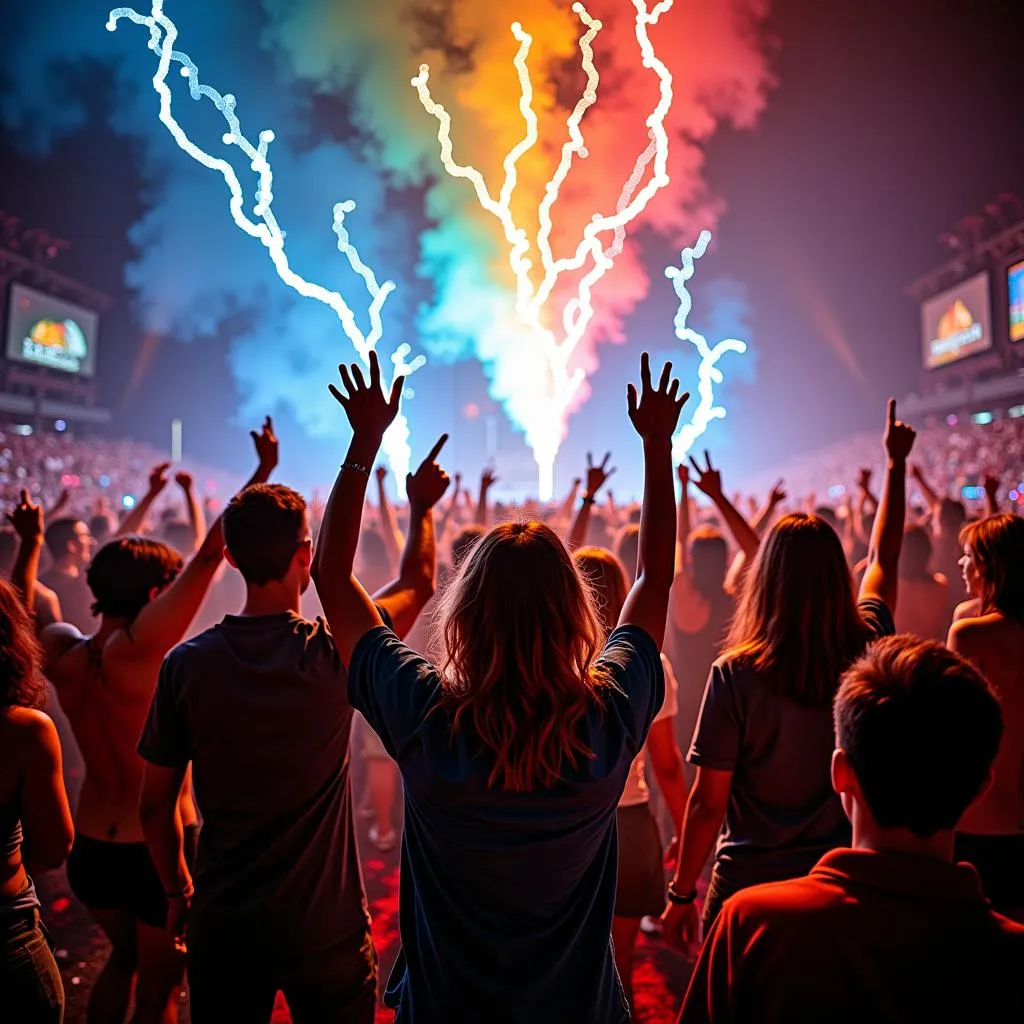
pixel 1015 288
pixel 957 323
pixel 50 332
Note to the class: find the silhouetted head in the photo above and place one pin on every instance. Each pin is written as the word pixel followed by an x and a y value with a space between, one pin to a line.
pixel 464 542
pixel 993 563
pixel 919 728
pixel 916 553
pixel 128 573
pixel 952 516
pixel 797 623
pixel 102 527
pixel 21 680
pixel 520 637
pixel 608 583
pixel 709 561
pixel 266 534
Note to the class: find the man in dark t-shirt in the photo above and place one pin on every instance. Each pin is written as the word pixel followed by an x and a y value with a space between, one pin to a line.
pixel 890 930
pixel 258 707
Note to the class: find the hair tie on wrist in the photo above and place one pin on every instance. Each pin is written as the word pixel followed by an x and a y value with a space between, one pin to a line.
pixel 365 470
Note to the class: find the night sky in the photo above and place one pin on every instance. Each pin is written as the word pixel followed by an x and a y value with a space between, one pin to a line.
pixel 889 122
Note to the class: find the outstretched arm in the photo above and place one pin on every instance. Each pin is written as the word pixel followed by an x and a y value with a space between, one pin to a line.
pixel 597 476
pixel 349 610
pixel 393 539
pixel 763 518
pixel 487 481
pixel 163 622
pixel 709 480
pixel 27 520
pixel 932 497
pixel 135 520
pixel 882 574
pixel 194 512
pixel 991 495
pixel 654 415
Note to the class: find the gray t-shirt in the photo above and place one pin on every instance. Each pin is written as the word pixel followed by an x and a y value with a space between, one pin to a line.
pixel 783 814
pixel 260 707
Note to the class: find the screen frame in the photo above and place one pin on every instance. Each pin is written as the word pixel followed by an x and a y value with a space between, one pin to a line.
pixel 940 299
pixel 86 317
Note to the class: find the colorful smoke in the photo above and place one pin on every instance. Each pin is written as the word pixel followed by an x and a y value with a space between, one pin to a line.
pixel 716 53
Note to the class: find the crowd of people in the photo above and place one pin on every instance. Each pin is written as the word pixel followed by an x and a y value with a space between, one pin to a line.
pixel 812 711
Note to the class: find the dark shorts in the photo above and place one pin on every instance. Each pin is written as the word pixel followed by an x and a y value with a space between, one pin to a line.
pixel 121 876
pixel 641 886
pixel 999 861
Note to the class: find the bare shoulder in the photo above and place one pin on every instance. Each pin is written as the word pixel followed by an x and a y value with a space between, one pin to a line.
pixel 981 633
pixel 30 728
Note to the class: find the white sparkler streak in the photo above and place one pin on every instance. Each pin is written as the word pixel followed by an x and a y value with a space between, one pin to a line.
pixel 266 229
pixel 708 372
pixel 547 421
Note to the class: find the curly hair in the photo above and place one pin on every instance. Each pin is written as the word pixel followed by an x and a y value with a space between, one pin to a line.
pixel 21 658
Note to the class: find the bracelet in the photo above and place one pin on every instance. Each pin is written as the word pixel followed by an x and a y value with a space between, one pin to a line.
pixel 679 899
pixel 355 465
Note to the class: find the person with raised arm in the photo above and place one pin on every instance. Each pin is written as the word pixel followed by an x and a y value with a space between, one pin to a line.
pixel 509 849
pixel 257 709
pixel 991 835
pixel 763 742
pixel 597 477
pixel 487 480
pixel 145 600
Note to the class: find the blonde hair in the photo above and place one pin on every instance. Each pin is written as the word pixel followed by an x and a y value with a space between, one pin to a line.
pixel 520 637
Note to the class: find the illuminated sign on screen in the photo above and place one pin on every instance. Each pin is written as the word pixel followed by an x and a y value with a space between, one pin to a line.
pixel 957 323
pixel 50 332
pixel 1015 287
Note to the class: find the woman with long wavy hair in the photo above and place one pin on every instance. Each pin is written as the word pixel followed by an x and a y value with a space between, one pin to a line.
pixel 764 739
pixel 514 751
pixel 991 835
pixel 35 819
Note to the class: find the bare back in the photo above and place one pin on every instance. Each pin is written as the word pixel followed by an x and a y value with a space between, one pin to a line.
pixel 923 608
pixel 995 644
pixel 105 685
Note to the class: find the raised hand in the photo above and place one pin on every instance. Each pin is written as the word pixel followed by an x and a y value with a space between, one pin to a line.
pixel 428 484
pixel 382 475
pixel 27 519
pixel 708 479
pixel 991 483
pixel 899 438
pixel 864 480
pixel 369 410
pixel 266 446
pixel 597 475
pixel 683 472
pixel 487 478
pixel 158 477
pixel 778 494
pixel 184 480
pixel 655 412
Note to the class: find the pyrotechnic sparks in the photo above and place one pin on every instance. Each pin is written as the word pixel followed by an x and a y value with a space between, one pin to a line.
pixel 263 224
pixel 708 372
pixel 546 422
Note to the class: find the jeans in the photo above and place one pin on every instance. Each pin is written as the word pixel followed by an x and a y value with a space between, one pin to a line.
pixel 29 978
pixel 338 985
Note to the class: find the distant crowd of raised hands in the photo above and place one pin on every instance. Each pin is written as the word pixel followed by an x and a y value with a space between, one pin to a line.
pixel 788 740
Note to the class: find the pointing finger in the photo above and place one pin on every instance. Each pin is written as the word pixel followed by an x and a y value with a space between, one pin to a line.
pixel 436 450
pixel 892 412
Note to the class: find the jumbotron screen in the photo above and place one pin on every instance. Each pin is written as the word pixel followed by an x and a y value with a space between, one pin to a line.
pixel 1015 287
pixel 957 323
pixel 50 332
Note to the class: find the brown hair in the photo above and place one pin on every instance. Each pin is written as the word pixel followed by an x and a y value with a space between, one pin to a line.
pixel 709 561
pixel 21 680
pixel 920 728
pixel 520 637
pixel 263 528
pixel 997 544
pixel 126 572
pixel 608 584
pixel 797 623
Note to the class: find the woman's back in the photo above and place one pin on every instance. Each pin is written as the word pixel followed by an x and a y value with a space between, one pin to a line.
pixel 509 878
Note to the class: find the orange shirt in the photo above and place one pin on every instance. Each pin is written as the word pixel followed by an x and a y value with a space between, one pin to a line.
pixel 864 937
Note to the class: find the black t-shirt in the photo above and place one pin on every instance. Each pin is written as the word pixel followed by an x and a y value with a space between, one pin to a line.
pixel 783 813
pixel 259 705
pixel 506 898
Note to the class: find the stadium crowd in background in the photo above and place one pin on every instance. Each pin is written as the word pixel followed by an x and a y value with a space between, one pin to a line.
pixel 787 732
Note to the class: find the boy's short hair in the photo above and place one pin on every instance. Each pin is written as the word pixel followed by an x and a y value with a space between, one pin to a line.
pixel 126 572
pixel 59 534
pixel 263 528
pixel 920 727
